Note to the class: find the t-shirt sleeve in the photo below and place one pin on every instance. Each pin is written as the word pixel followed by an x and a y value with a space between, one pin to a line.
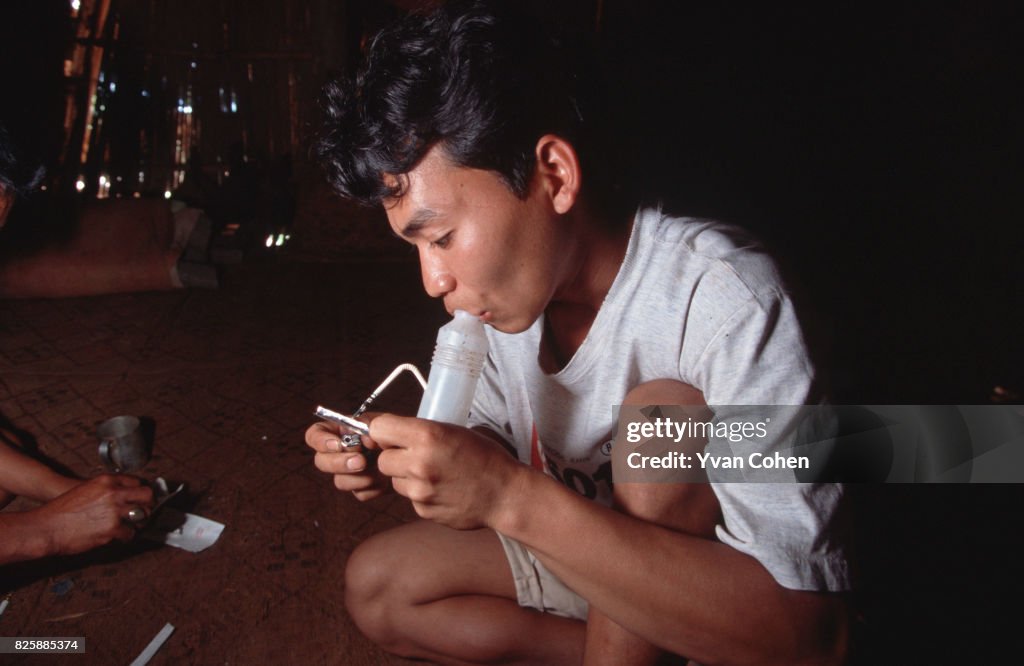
pixel 757 357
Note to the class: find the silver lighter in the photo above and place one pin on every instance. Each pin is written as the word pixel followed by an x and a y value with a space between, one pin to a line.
pixel 352 442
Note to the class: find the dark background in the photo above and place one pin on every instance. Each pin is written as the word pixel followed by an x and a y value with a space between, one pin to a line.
pixel 877 151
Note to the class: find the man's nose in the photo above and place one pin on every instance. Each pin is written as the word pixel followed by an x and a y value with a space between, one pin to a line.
pixel 437 281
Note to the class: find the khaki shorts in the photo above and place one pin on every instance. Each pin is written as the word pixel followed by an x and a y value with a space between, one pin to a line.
pixel 536 587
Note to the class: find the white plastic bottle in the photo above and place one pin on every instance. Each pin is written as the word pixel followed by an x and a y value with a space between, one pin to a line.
pixel 458 358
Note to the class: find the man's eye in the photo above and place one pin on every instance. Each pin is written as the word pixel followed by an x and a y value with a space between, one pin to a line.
pixel 442 242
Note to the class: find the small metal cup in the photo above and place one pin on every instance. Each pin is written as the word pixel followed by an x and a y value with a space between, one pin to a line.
pixel 123 447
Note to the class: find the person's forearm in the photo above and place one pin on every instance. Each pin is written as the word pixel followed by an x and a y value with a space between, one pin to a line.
pixel 27 477
pixel 688 595
pixel 21 538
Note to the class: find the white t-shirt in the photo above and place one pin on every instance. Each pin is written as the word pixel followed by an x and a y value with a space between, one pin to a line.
pixel 701 303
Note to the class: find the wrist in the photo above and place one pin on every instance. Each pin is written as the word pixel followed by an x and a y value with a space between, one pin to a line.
pixel 41 535
pixel 59 485
pixel 505 506
pixel 26 536
pixel 518 498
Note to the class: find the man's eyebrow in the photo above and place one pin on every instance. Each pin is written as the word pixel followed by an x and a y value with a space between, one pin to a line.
pixel 419 220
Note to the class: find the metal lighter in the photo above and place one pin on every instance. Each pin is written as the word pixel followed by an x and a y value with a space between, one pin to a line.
pixel 350 442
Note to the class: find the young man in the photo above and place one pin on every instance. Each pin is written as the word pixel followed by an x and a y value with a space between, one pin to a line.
pixel 468 128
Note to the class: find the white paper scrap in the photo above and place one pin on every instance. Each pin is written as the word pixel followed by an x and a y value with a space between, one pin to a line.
pixel 185 530
pixel 154 645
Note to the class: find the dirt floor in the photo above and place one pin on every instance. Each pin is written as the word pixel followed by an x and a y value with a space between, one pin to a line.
pixel 227 379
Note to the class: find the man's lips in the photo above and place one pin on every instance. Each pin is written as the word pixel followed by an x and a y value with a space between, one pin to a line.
pixel 485 315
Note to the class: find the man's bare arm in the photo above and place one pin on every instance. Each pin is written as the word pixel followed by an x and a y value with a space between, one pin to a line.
pixel 686 594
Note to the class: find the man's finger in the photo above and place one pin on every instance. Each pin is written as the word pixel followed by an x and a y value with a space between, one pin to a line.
pixel 142 495
pixel 126 481
pixel 124 533
pixel 324 438
pixel 390 431
pixel 340 463
pixel 354 482
pixel 393 463
pixel 364 495
pixel 329 438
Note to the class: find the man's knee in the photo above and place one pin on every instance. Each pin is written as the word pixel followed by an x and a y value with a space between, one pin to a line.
pixel 370 589
pixel 680 502
pixel 646 408
pixel 683 507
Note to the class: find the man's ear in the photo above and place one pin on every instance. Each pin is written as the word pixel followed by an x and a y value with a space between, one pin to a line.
pixel 558 169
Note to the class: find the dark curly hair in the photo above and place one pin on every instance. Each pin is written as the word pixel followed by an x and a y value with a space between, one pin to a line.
pixel 479 78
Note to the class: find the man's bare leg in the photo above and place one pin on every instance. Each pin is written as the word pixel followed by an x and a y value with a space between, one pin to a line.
pixel 426 591
pixel 685 507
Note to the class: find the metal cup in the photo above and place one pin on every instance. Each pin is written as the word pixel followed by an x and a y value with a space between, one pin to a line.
pixel 123 447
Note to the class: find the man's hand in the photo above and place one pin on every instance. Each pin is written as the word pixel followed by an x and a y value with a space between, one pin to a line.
pixel 92 513
pixel 453 475
pixel 352 470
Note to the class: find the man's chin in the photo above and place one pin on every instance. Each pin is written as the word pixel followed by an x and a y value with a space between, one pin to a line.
pixel 509 326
